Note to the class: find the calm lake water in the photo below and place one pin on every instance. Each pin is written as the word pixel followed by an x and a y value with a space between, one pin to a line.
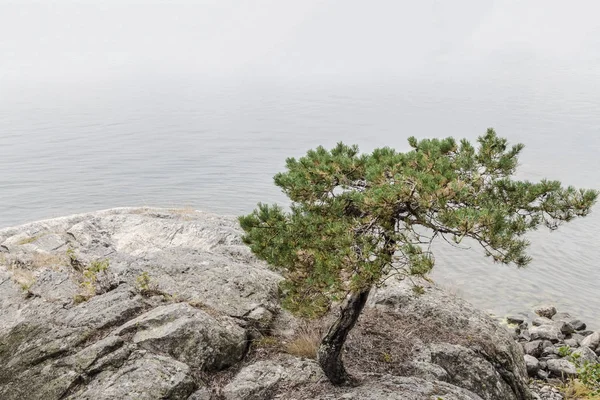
pixel 215 146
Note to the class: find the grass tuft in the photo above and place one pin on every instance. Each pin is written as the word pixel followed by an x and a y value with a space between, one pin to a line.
pixel 306 341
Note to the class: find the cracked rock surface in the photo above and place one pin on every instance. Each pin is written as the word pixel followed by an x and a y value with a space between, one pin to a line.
pixel 139 303
pixel 178 296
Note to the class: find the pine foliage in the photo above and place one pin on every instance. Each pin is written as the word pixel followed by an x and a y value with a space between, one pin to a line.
pixel 356 219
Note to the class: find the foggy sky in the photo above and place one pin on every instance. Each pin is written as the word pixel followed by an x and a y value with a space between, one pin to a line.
pixel 63 41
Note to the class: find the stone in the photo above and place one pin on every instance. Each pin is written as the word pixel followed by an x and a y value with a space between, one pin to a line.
pixel 262 379
pixel 389 387
pixel 533 348
pixel 546 332
pixel 577 337
pixel 144 376
pixel 469 371
pixel 561 368
pixel 532 364
pixel 183 294
pixel 578 325
pixel 539 321
pixel 548 351
pixel 515 319
pixel 547 343
pixel 562 316
pixel 572 343
pixel 262 318
pixel 564 327
pixel 592 341
pixel 190 258
pixel 543 375
pixel 501 373
pixel 546 311
pixel 201 394
pixel 525 336
pixel 189 335
pixel 584 354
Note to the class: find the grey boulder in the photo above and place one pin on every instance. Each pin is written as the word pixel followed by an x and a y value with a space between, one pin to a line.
pixel 483 358
pixel 532 364
pixel 592 341
pixel 546 332
pixel 561 368
pixel 263 379
pixel 546 311
pixel 189 335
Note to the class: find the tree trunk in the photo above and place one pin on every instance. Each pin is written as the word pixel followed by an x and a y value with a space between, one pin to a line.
pixel 330 350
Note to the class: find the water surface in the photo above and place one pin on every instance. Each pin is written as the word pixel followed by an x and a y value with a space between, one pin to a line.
pixel 215 146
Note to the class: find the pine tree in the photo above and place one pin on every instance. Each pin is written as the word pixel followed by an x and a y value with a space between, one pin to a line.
pixel 356 219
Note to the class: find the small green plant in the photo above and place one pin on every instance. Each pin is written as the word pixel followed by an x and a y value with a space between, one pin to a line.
pixel 30 239
pixel 147 286
pixel 266 342
pixel 564 351
pixel 25 279
pixel 80 298
pixel 386 357
pixel 418 290
pixel 90 279
pixel 143 281
pixel 73 260
pixel 98 266
pixel 589 375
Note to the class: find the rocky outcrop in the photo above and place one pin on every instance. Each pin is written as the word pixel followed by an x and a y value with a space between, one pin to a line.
pixel 184 296
pixel 476 353
pixel 152 303
pixel 556 344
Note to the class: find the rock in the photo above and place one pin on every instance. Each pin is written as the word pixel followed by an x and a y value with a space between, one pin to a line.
pixel 577 337
pixel 543 375
pixel 546 332
pixel 561 368
pixel 533 348
pixel 545 392
pixel 489 363
pixel 539 321
pixel 181 294
pixel 578 325
pixel 547 343
pixel 201 394
pixel 584 354
pixel 549 351
pixel 572 343
pixel 262 318
pixel 546 311
pixel 389 387
pixel 532 364
pixel 562 316
pixel 51 346
pixel 515 319
pixel 262 379
pixel 564 327
pixel 189 335
pixel 470 371
pixel 525 336
pixel 143 376
pixel 592 341
pixel 425 370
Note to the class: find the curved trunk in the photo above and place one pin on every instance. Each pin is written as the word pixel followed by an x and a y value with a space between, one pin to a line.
pixel 330 350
